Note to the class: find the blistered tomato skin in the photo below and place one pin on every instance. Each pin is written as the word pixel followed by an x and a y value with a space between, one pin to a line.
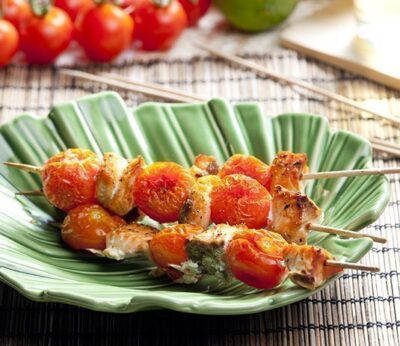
pixel 240 200
pixel 86 227
pixel 247 165
pixel 168 247
pixel 69 178
pixel 161 190
pixel 256 261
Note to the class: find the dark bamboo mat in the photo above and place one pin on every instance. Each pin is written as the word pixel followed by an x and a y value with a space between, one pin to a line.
pixel 359 309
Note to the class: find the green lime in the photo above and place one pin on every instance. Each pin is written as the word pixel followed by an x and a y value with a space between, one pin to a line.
pixel 255 15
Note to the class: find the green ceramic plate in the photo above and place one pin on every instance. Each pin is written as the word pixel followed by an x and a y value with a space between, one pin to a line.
pixel 34 261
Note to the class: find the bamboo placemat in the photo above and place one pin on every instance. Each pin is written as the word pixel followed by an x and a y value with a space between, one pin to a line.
pixel 358 309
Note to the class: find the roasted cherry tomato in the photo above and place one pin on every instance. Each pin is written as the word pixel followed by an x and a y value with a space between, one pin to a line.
pixel 247 165
pixel 44 38
pixel 104 32
pixel 17 11
pixel 69 178
pixel 195 9
pixel 158 25
pixel 74 7
pixel 8 42
pixel 161 190
pixel 168 247
pixel 86 227
pixel 240 200
pixel 255 258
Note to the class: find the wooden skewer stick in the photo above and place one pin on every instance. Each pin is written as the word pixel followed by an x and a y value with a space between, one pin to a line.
pixel 261 70
pixel 30 193
pixel 344 233
pixel 346 265
pixel 350 173
pixel 24 167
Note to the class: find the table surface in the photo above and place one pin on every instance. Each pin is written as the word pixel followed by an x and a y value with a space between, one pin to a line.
pixel 359 308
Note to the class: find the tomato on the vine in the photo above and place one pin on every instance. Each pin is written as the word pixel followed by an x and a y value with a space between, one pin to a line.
pixel 158 23
pixel 104 32
pixel 8 41
pixel 17 11
pixel 195 9
pixel 45 37
pixel 74 7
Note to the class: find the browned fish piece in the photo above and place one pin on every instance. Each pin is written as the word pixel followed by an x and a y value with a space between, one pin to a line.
pixel 197 208
pixel 128 241
pixel 115 180
pixel 306 265
pixel 287 170
pixel 290 214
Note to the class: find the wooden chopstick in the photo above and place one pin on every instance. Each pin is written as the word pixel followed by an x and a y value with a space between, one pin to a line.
pixel 156 86
pixel 261 70
pixel 126 86
pixel 167 93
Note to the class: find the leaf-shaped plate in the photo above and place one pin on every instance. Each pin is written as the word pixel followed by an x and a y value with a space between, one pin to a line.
pixel 35 262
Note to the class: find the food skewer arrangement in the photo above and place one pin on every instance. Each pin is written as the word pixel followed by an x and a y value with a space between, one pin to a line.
pixel 243 219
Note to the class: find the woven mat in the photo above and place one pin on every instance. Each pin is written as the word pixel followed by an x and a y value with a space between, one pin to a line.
pixel 358 309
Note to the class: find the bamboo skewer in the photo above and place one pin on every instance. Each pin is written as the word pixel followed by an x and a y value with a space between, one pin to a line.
pixel 355 266
pixel 350 173
pixel 32 193
pixel 24 167
pixel 153 89
pixel 261 70
pixel 344 233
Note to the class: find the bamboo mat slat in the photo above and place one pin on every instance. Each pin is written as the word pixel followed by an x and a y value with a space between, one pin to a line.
pixel 359 309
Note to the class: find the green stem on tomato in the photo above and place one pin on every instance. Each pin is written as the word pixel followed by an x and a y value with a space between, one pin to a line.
pixel 40 7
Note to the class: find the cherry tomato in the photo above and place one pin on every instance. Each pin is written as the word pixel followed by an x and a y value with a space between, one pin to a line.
pixel 240 200
pixel 69 178
pixel 158 26
pixel 8 42
pixel 247 165
pixel 17 12
pixel 256 259
pixel 161 190
pixel 86 227
pixel 74 7
pixel 195 9
pixel 104 32
pixel 44 38
pixel 168 247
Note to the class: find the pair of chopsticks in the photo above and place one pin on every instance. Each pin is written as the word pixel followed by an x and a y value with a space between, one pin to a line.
pixel 167 93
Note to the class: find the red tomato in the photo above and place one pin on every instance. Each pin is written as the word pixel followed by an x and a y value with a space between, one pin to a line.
pixel 168 247
pixel 104 32
pixel 74 7
pixel 240 200
pixel 161 190
pixel 69 178
pixel 86 227
pixel 8 42
pixel 247 165
pixel 44 38
pixel 195 9
pixel 157 26
pixel 17 11
pixel 255 258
